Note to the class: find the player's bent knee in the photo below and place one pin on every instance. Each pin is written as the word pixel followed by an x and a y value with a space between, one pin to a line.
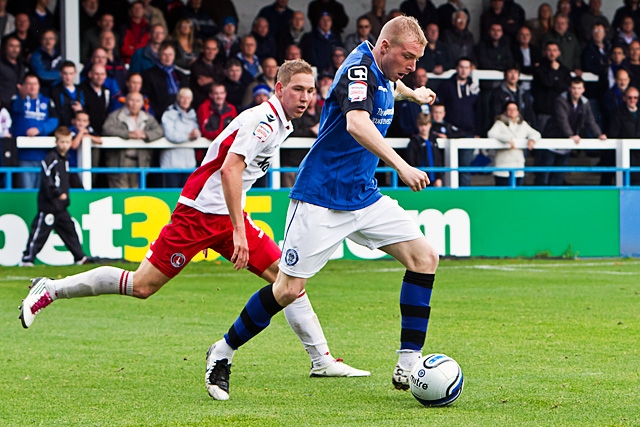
pixel 144 292
pixel 286 289
pixel 424 262
pixel 143 288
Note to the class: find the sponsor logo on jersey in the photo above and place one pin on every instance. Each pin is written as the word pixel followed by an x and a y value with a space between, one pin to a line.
pixel 264 164
pixel 263 131
pixel 178 260
pixel 291 257
pixel 359 72
pixel 271 118
pixel 357 91
pixel 382 89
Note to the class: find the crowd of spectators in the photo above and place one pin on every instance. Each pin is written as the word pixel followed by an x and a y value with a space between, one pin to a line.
pixel 179 69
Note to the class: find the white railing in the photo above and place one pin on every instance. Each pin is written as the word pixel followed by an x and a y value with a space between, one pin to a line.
pixel 477 75
pixel 450 146
pixel 622 147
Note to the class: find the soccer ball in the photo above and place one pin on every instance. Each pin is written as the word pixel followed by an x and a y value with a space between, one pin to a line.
pixel 436 380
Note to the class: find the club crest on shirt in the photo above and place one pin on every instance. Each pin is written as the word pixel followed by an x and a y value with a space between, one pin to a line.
pixel 357 91
pixel 49 219
pixel 359 72
pixel 262 131
pixel 178 260
pixel 291 257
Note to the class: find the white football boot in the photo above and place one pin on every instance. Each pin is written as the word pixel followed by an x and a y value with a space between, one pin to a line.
pixel 337 368
pixel 217 376
pixel 37 299
pixel 406 360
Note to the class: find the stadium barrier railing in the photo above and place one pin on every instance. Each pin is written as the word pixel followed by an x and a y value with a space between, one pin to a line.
pixel 477 75
pixel 622 148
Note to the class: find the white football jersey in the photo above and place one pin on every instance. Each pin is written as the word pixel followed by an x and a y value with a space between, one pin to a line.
pixel 256 134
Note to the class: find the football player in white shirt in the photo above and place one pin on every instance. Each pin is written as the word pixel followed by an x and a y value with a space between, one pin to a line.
pixel 209 215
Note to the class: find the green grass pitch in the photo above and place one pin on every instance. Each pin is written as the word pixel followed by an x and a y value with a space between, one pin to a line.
pixel 541 343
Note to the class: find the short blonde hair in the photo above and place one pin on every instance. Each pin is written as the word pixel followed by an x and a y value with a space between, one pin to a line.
pixel 290 68
pixel 401 29
pixel 185 91
pixel 423 119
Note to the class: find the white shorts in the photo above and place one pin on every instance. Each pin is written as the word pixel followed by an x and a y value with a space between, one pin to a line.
pixel 313 233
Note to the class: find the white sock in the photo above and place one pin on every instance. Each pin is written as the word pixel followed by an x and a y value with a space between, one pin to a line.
pixel 305 324
pixel 223 351
pixel 408 358
pixel 99 281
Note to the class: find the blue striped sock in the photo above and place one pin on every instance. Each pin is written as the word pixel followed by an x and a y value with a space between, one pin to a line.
pixel 255 316
pixel 415 297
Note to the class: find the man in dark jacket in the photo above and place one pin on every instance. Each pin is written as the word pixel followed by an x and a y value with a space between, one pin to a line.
pixel 458 38
pixel 317 45
pixel 567 43
pixel 462 102
pixel 66 95
pixel 436 58
pixel 494 52
pixel 425 13
pixel 625 124
pixel 525 54
pixel 613 98
pixel 162 82
pixel 550 79
pixel 508 16
pixel 595 59
pixel 232 83
pixel 510 91
pixel 12 69
pixel 205 71
pixel 318 8
pixel 278 14
pixel 266 42
pixel 572 119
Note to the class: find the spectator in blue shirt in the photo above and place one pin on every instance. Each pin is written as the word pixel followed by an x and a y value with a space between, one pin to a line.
pixel 33 114
pixel 46 61
pixel 147 57
pixel 248 58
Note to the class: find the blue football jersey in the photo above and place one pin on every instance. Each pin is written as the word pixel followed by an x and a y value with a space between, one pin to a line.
pixel 338 172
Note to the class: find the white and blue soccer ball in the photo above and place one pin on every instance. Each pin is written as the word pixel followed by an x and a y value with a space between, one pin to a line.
pixel 436 380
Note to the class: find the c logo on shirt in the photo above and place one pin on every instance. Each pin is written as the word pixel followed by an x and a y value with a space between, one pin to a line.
pixel 358 73
pixel 177 260
pixel 291 257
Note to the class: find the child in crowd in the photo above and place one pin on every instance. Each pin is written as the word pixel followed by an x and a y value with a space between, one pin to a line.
pixel 423 151
pixel 81 129
pixel 53 200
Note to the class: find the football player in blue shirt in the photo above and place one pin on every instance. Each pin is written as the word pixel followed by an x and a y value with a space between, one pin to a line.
pixel 336 196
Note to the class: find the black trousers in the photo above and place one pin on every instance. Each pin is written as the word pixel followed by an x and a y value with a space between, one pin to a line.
pixel 41 227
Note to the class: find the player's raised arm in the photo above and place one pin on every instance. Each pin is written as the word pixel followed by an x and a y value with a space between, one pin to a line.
pixel 421 95
pixel 360 126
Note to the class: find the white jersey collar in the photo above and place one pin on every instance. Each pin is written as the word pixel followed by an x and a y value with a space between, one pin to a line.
pixel 277 106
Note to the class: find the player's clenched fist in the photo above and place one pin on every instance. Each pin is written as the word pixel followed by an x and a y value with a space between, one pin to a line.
pixel 424 95
pixel 414 178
